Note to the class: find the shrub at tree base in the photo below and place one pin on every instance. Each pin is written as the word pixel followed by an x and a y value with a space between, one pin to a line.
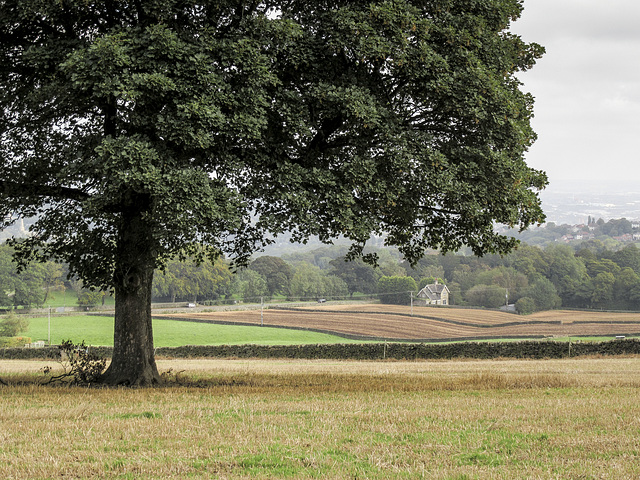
pixel 82 365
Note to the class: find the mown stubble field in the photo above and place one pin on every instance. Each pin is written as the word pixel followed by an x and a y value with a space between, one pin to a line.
pixel 577 418
pixel 430 323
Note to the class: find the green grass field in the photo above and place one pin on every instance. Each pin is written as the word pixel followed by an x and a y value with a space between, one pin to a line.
pixel 98 330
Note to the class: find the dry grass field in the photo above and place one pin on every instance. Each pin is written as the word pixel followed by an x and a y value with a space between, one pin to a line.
pixel 396 322
pixel 552 419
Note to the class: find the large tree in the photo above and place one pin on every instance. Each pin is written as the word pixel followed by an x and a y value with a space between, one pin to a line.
pixel 397 290
pixel 138 130
pixel 358 275
pixel 275 271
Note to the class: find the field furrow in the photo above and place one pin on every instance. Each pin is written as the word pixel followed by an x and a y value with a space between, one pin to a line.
pixel 398 322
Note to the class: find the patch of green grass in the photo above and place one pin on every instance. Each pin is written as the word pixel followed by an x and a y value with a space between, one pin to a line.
pixel 276 461
pixel 171 333
pixel 94 330
pixel 69 298
pixel 98 330
pixel 126 416
pixel 57 298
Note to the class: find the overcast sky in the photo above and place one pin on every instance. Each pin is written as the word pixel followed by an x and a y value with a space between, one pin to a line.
pixel 587 88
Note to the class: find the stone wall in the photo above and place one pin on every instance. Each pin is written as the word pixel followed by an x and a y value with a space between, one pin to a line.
pixel 372 351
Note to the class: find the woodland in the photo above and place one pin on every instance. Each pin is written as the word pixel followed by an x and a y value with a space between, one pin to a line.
pixel 594 274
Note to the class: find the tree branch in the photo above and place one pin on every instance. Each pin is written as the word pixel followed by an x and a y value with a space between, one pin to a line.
pixel 328 127
pixel 24 190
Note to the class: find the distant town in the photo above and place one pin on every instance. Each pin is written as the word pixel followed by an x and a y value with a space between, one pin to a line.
pixel 572 203
pixel 578 212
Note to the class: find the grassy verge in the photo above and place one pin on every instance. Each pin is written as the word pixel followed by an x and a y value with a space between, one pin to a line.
pixel 305 419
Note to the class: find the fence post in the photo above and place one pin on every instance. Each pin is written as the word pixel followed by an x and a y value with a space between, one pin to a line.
pixel 411 302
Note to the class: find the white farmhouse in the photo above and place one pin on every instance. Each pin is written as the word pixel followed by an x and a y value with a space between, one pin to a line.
pixel 435 294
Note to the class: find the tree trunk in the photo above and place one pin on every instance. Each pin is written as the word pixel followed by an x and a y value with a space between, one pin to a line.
pixel 133 362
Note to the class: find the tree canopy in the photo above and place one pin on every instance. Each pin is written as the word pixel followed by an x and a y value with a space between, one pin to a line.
pixel 396 290
pixel 137 131
pixel 276 272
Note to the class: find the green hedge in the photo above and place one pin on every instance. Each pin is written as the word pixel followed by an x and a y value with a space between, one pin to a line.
pixel 371 351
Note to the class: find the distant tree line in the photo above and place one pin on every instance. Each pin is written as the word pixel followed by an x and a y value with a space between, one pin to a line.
pixel 532 278
pixel 590 275
pixel 32 286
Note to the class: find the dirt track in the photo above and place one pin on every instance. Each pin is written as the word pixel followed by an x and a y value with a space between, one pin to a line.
pixel 393 322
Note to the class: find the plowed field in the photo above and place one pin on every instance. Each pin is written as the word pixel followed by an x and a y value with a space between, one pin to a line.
pixel 396 322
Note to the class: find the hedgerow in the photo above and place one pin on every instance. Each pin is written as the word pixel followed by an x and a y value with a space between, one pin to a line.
pixel 371 351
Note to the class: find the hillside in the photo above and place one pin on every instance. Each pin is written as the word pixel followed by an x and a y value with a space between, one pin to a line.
pixel 397 323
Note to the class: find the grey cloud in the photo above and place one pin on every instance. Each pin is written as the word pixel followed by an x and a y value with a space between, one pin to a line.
pixel 587 87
